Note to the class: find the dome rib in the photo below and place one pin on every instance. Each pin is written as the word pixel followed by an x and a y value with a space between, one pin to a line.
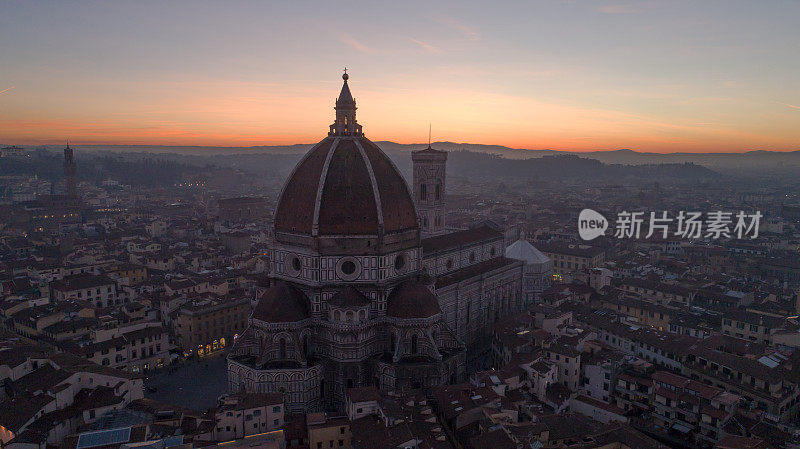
pixel 371 172
pixel 321 185
pixel 301 188
pixel 347 205
pixel 392 190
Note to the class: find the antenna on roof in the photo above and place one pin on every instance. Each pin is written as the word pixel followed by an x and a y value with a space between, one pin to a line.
pixel 429 134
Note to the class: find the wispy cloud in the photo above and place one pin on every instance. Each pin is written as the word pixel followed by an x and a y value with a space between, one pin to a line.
pixel 6 90
pixel 793 106
pixel 430 48
pixel 466 30
pixel 617 9
pixel 353 42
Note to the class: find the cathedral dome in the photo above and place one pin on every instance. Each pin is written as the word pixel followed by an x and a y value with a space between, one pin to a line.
pixel 345 186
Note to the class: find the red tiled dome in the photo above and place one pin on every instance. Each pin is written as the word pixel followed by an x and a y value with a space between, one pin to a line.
pixel 345 186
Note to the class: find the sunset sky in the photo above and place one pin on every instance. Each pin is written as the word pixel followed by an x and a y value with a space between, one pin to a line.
pixel 662 76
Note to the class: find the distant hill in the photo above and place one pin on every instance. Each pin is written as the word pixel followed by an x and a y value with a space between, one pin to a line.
pixel 169 164
pixel 777 163
pixel 568 167
pixel 753 164
pixel 780 162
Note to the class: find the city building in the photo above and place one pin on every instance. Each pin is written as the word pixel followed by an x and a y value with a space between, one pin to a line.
pixel 208 325
pixel 244 415
pixel 98 290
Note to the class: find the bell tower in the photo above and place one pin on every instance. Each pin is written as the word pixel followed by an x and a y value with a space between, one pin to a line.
pixel 429 189
pixel 70 170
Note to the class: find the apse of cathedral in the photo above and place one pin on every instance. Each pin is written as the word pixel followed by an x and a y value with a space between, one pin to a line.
pixel 368 286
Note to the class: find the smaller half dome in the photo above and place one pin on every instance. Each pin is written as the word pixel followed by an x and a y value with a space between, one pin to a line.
pixel 282 303
pixel 412 299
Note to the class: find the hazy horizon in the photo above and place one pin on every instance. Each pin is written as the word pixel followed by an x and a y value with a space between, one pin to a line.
pixel 100 146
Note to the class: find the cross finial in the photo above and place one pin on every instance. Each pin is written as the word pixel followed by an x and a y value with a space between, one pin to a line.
pixel 345 76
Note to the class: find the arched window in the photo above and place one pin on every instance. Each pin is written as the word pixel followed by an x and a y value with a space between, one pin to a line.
pixel 423 192
pixel 305 345
pixel 414 344
pixel 362 315
pixel 349 316
pixel 282 345
pixel 393 343
pixel 337 316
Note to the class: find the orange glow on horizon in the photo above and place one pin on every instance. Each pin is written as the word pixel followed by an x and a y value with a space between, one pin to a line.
pixel 224 114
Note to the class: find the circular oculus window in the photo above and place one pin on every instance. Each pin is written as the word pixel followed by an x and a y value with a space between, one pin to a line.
pixel 348 268
pixel 293 266
pixel 400 262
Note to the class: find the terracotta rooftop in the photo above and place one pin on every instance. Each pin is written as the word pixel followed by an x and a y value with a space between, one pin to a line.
pixel 457 239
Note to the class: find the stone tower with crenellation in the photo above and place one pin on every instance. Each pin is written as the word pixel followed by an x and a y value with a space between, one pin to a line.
pixel 429 189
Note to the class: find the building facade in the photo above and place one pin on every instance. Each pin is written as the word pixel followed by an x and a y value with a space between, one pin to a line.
pixel 210 325
pixel 98 290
